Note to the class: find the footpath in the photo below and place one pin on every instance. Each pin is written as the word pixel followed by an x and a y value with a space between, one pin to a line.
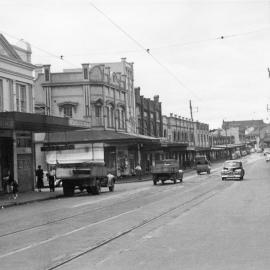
pixel 7 200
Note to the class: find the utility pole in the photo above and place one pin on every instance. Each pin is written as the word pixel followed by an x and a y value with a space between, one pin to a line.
pixel 190 108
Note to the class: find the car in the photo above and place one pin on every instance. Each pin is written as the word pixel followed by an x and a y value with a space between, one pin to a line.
pixel 232 169
pixel 267 156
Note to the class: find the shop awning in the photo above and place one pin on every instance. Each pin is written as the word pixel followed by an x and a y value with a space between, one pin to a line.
pixel 95 136
pixel 38 123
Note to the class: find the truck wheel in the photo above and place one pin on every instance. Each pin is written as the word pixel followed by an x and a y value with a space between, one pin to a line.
pixel 174 180
pixel 68 189
pixel 111 188
pixel 81 188
pixel 89 190
pixel 96 189
pixel 208 172
pixel 154 181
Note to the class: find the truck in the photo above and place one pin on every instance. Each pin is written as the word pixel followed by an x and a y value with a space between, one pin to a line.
pixel 167 169
pixel 77 168
pixel 202 164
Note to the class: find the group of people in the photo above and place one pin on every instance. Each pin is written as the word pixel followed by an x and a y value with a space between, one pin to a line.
pixel 40 175
pixel 10 185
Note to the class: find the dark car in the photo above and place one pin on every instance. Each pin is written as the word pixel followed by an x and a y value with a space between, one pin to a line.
pixel 232 169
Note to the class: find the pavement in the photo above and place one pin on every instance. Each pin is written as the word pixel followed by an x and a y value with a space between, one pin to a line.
pixel 7 200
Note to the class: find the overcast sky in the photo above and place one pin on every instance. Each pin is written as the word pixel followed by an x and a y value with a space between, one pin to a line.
pixel 225 78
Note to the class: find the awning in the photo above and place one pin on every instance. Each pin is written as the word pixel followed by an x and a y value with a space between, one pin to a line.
pixel 38 123
pixel 95 136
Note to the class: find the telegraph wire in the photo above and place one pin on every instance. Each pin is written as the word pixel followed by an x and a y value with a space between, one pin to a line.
pixel 59 57
pixel 146 50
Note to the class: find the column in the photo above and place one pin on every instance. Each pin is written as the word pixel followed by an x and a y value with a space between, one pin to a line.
pixel 14 148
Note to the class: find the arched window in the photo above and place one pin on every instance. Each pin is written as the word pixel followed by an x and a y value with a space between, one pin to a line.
pixel 123 118
pixel 108 116
pixel 165 133
pixel 112 116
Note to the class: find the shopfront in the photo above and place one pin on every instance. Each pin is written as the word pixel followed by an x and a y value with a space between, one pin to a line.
pixel 17 154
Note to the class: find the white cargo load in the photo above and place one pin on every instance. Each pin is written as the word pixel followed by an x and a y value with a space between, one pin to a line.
pixel 83 153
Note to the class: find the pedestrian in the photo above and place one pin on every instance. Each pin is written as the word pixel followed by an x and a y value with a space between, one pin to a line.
pixel 51 179
pixel 138 170
pixel 39 175
pixel 7 181
pixel 15 186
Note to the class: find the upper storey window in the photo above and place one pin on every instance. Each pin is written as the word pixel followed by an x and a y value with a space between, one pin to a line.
pixel 21 98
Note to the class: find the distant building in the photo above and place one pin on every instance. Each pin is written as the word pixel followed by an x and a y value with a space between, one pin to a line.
pixel 148 115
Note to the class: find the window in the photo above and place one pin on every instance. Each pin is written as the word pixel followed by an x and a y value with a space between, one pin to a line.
pixel 108 116
pixel 67 110
pixel 47 75
pixel 97 110
pixel 85 73
pixel 1 96
pixel 21 97
pixel 165 133
pixel 123 118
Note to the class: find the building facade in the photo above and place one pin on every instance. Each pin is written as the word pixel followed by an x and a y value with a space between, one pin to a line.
pixel 16 95
pixel 148 115
pixel 100 94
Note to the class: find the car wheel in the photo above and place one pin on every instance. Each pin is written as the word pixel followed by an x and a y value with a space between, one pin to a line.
pixel 222 178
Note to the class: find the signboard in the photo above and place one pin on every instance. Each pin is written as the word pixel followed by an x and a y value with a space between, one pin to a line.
pixel 57 147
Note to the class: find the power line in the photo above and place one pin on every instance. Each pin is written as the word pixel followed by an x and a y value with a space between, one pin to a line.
pixel 59 57
pixel 147 50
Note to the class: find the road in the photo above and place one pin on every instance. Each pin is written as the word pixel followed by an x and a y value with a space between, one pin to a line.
pixel 202 223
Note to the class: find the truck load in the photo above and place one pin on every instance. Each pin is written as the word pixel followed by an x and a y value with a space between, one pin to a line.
pixel 167 169
pixel 82 167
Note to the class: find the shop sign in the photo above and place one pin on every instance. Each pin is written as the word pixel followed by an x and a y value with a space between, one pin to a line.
pixel 57 147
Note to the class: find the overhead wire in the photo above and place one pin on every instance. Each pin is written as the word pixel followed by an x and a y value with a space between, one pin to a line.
pixel 59 57
pixel 146 50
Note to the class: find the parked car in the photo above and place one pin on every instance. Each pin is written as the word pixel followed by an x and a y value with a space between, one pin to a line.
pixel 232 169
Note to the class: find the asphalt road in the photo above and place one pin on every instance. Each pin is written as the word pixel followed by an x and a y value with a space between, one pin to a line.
pixel 202 223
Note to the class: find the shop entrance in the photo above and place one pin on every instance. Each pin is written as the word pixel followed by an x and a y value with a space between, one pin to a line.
pixel 6 154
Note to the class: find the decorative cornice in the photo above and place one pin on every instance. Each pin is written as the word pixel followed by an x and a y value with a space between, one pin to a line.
pixel 17 63
pixel 17 74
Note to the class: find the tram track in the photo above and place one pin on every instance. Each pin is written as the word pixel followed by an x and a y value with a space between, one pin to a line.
pixel 187 205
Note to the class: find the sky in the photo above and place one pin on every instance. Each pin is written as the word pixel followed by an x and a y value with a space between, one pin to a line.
pixel 212 52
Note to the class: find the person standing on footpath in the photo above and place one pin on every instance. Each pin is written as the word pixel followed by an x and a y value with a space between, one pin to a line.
pixel 39 175
pixel 15 186
pixel 51 179
pixel 138 170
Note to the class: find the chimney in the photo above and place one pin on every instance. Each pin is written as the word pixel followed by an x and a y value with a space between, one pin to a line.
pixel 47 72
pixel 156 98
pixel 85 68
